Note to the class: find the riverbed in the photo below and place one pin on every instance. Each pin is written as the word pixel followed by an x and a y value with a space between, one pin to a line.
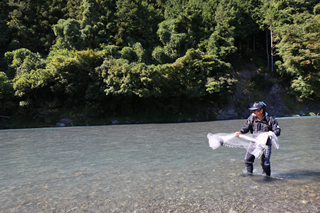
pixel 156 168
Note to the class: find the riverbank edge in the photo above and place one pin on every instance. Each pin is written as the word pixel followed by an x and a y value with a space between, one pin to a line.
pixel 280 103
pixel 67 122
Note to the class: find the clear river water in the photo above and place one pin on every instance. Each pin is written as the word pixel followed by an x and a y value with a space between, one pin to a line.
pixel 156 168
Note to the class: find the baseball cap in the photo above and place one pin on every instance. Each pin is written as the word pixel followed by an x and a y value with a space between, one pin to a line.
pixel 258 105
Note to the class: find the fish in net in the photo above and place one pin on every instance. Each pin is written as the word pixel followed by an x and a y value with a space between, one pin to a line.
pixel 258 143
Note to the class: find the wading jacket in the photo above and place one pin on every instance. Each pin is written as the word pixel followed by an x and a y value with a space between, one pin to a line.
pixel 256 126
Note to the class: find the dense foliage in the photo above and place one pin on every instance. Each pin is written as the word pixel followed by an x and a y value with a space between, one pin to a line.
pixel 130 57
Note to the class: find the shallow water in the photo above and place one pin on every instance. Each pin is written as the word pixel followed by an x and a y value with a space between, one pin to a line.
pixel 155 168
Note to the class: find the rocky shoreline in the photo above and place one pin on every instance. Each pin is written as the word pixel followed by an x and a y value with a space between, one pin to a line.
pixel 276 106
pixel 279 99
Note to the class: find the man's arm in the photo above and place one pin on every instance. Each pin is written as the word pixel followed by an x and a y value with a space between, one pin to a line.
pixel 275 127
pixel 245 128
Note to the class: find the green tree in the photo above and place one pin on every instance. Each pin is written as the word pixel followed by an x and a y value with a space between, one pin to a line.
pixel 28 86
pixel 28 73
pixel 23 61
pixel 89 32
pixel 175 44
pixel 221 41
pixel 245 23
pixel 188 76
pixel 127 79
pixel 7 102
pixel 30 21
pixel 74 76
pixel 4 41
pixel 299 49
pixel 272 15
pixel 137 21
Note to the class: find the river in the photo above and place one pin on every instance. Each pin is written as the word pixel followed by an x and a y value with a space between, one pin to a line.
pixel 156 168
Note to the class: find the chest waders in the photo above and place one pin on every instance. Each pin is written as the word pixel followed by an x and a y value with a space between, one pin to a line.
pixel 259 127
pixel 265 159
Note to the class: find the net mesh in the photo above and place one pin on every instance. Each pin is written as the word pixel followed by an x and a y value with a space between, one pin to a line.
pixel 258 144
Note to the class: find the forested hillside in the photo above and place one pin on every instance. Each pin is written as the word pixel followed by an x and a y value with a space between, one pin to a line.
pixel 148 60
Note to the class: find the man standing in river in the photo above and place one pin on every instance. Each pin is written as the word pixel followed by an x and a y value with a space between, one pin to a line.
pixel 258 122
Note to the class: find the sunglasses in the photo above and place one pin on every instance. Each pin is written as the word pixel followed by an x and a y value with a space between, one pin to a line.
pixel 256 110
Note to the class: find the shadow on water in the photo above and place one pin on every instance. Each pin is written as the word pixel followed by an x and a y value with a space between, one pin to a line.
pixel 296 175
pixel 300 175
pixel 261 179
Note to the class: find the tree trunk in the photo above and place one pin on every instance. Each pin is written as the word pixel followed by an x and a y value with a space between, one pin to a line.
pixel 271 50
pixel 267 49
pixel 254 42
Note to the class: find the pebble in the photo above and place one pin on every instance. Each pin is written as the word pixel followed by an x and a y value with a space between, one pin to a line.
pixel 173 199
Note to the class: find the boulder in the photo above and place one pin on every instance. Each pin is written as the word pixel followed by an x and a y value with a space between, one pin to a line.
pixel 227 113
pixel 59 124
pixel 63 122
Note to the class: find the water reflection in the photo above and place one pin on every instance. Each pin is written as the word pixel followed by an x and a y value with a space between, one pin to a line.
pixel 155 167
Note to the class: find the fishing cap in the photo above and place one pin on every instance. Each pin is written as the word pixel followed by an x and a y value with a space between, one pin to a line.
pixel 258 105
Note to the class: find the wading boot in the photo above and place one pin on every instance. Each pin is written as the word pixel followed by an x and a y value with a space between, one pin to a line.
pixel 266 171
pixel 249 169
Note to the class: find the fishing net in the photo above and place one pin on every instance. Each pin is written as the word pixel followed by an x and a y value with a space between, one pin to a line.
pixel 257 144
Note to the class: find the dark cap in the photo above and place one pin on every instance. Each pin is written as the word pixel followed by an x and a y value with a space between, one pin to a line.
pixel 258 105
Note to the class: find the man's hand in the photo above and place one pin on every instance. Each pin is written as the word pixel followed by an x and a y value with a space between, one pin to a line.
pixel 237 134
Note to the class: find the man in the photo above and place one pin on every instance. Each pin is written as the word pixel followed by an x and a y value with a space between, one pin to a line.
pixel 258 122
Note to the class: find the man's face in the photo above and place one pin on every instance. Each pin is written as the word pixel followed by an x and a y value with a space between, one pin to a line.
pixel 257 112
